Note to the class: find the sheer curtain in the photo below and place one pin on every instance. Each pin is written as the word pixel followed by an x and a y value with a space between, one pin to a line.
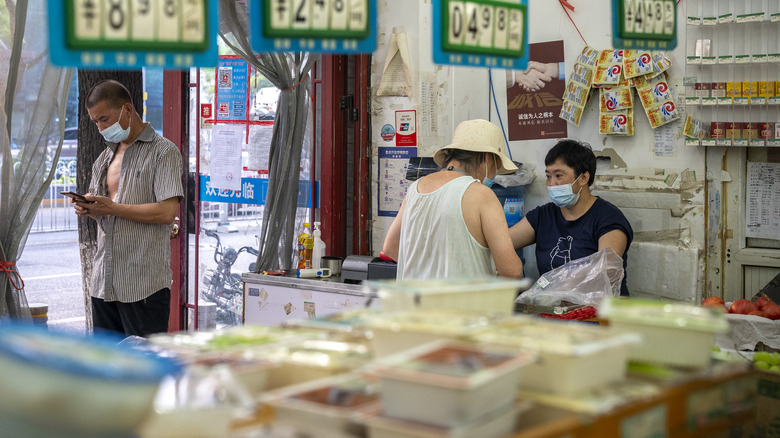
pixel 290 73
pixel 34 96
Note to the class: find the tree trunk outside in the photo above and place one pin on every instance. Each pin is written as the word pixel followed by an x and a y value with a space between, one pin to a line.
pixel 90 145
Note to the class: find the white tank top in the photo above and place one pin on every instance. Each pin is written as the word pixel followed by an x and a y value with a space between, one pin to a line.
pixel 435 242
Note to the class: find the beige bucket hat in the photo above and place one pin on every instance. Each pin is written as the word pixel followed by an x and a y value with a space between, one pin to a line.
pixel 479 135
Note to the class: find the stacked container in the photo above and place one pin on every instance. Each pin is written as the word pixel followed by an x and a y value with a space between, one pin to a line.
pixel 447 388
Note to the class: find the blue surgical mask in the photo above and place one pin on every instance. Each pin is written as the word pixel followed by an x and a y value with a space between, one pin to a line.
pixel 115 133
pixel 562 195
pixel 488 182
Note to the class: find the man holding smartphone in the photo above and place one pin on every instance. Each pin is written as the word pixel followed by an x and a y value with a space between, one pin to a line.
pixel 134 194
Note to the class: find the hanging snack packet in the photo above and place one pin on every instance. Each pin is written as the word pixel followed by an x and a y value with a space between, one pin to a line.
pixel 608 75
pixel 646 81
pixel 615 98
pixel 695 128
pixel 661 62
pixel 636 63
pixel 617 123
pixel 611 56
pixel 576 94
pixel 609 71
pixel 662 114
pixel 571 113
pixel 654 95
pixel 589 57
pixel 582 74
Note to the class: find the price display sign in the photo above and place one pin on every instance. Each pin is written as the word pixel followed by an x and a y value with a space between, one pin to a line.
pixel 644 24
pixel 122 34
pixel 481 33
pixel 321 26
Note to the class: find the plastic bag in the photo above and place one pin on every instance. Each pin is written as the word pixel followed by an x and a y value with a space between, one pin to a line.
pixel 523 176
pixel 585 281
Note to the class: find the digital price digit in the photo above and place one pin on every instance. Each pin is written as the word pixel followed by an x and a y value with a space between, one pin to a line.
pixel 125 25
pixel 646 19
pixel 486 27
pixel 309 19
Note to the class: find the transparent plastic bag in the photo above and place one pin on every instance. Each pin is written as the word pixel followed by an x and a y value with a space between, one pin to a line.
pixel 585 281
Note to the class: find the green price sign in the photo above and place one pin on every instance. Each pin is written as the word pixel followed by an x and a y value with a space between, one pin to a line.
pixel 644 24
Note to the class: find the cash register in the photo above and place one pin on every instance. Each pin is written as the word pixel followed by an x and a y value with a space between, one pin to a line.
pixel 357 268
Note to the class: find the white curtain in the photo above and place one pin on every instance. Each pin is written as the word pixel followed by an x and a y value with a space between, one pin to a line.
pixel 290 73
pixel 34 96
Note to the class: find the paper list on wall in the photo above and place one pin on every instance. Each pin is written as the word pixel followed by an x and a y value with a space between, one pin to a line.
pixel 225 166
pixel 665 141
pixel 428 116
pixel 763 201
pixel 393 162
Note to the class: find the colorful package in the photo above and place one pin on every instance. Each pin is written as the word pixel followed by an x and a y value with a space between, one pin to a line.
pixel 611 56
pixel 695 128
pixel 582 74
pixel 662 114
pixel 571 113
pixel 617 123
pixel 661 62
pixel 608 75
pixel 645 81
pixel 636 63
pixel 576 93
pixel 733 89
pixel 589 57
pixel 615 98
pixel 655 95
pixel 718 129
pixel 766 130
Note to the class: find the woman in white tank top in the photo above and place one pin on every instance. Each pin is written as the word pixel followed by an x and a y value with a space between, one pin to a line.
pixel 451 224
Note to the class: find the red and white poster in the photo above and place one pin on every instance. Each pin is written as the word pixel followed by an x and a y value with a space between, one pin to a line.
pixel 406 128
pixel 534 95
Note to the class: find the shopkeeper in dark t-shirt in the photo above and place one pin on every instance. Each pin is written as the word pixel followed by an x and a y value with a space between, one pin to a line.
pixel 576 223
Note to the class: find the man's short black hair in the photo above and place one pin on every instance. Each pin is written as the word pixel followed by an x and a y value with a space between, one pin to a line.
pixel 576 155
pixel 110 91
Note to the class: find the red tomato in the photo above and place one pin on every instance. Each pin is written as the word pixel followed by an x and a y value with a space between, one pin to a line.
pixel 743 307
pixel 772 311
pixel 757 313
pixel 762 301
pixel 713 300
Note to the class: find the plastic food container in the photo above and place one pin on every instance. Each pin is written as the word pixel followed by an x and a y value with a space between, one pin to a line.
pixel 448 384
pixel 497 424
pixel 490 294
pixel 398 331
pixel 570 356
pixel 64 385
pixel 302 361
pixel 676 334
pixel 326 407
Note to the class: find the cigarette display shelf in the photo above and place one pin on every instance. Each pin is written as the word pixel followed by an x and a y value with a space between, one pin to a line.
pixel 736 45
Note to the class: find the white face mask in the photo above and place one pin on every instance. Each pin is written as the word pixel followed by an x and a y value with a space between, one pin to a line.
pixel 562 195
pixel 115 133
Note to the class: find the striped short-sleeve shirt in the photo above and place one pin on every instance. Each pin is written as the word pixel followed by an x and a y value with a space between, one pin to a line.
pixel 133 259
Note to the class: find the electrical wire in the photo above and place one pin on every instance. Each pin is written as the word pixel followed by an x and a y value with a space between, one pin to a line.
pixel 498 113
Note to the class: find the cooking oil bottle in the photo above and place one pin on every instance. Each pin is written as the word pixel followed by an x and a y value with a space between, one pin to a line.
pixel 305 246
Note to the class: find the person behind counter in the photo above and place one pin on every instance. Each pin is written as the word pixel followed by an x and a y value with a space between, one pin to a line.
pixel 576 223
pixel 451 224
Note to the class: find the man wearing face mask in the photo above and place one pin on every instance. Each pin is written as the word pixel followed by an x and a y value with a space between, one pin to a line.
pixel 451 224
pixel 576 223
pixel 134 194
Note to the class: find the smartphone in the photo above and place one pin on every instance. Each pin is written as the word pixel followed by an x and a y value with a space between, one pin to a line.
pixel 76 197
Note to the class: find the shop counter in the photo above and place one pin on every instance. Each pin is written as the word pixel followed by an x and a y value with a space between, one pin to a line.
pixel 271 300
